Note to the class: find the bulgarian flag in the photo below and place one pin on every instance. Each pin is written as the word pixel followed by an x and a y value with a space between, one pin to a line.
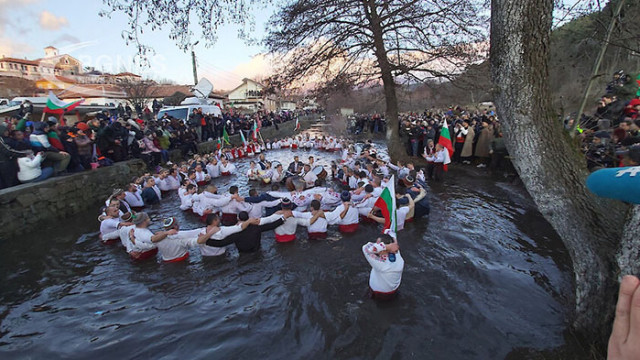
pixel 255 131
pixel 218 144
pixel 297 125
pixel 225 136
pixel 387 204
pixel 445 141
pixel 59 107
pixel 244 141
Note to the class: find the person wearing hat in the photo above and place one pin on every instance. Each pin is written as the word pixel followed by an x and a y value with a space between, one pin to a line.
pixel 175 247
pixel 214 231
pixel 249 239
pixel 40 143
pixel 386 267
pixel 141 244
pixel 346 216
pixel 287 231
pixel 125 226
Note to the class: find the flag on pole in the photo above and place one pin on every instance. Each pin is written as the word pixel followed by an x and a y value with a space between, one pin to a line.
pixel 57 106
pixel 445 138
pixel 255 131
pixel 387 204
pixel 225 136
pixel 445 141
pixel 244 141
pixel 218 144
pixel 297 125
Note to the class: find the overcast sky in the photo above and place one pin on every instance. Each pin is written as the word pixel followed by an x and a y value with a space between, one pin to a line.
pixel 74 27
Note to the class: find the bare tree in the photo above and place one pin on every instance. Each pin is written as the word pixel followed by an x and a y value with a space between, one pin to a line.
pixel 179 16
pixel 357 43
pixel 139 92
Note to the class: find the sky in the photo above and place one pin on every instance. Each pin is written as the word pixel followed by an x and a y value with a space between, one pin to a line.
pixel 75 28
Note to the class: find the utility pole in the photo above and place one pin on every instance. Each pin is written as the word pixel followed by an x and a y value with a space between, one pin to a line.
pixel 193 62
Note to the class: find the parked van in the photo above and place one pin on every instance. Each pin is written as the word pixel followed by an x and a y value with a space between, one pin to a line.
pixel 183 111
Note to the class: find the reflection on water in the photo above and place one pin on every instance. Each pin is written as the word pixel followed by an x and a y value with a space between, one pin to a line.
pixel 484 274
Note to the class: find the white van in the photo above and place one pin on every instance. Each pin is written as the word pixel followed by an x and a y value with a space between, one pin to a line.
pixel 183 111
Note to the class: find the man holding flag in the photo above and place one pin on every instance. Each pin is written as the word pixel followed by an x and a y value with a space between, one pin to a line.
pixel 439 161
pixel 386 262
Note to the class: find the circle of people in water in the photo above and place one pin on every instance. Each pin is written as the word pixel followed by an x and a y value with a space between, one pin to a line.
pixel 359 187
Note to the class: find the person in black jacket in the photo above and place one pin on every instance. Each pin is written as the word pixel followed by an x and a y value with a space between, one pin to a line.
pixel 249 239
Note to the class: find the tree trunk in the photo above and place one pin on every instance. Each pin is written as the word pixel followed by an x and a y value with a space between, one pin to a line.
pixel 551 168
pixel 629 252
pixel 394 143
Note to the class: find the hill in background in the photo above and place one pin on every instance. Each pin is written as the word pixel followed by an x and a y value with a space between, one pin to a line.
pixel 574 48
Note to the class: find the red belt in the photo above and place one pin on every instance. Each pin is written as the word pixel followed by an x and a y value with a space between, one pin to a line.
pixel 317 235
pixel 202 183
pixel 225 173
pixel 284 146
pixel 139 256
pixel 348 228
pixel 460 141
pixel 294 146
pixel 178 259
pixel 285 238
pixel 384 296
pixel 409 220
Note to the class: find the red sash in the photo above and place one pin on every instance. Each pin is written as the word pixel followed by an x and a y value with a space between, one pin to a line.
pixel 178 259
pixel 384 296
pixel 139 256
pixel 285 238
pixel 347 229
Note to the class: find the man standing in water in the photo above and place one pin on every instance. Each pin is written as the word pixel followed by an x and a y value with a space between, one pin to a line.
pixel 386 268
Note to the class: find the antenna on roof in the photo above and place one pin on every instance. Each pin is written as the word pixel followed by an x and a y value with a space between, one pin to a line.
pixel 202 89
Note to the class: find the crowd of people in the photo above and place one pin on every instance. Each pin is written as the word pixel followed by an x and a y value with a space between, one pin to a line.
pixel 611 136
pixel 476 136
pixel 34 150
pixel 302 194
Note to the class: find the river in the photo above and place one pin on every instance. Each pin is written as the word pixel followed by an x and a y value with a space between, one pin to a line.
pixel 485 274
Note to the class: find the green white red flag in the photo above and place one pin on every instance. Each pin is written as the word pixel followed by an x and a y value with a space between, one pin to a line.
pixel 244 141
pixel 255 131
pixel 57 106
pixel 445 138
pixel 387 205
pixel 445 141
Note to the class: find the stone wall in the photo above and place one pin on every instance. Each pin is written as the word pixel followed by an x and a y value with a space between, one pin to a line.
pixel 23 206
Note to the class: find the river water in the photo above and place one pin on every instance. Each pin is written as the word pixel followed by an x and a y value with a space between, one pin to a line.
pixel 485 274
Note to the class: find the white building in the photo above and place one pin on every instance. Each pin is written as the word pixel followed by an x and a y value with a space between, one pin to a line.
pixel 250 96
